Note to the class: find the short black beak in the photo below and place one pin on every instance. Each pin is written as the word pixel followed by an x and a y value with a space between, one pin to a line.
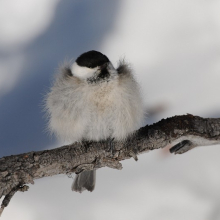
pixel 103 66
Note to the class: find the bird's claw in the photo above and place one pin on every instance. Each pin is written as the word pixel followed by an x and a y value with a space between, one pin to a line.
pixel 83 167
pixel 134 155
pixel 111 145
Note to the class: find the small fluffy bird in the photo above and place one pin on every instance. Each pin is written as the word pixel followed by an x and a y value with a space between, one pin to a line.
pixel 91 100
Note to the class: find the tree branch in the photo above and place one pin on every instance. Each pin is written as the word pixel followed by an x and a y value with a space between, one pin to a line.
pixel 18 170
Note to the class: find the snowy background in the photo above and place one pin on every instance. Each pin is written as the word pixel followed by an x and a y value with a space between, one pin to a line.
pixel 174 48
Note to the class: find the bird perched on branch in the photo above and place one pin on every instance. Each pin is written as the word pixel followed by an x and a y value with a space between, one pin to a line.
pixel 92 100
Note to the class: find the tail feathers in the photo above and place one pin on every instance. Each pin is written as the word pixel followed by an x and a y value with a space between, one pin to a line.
pixel 84 181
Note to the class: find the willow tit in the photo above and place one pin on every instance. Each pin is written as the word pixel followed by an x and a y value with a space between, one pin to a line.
pixel 91 100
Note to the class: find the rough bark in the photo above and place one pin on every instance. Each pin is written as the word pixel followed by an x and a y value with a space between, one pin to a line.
pixel 18 170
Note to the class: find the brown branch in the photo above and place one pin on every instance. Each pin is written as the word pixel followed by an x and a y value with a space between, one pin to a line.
pixel 17 170
pixel 9 196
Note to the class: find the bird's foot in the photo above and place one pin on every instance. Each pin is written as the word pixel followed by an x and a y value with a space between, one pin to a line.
pixel 134 155
pixel 83 167
pixel 111 147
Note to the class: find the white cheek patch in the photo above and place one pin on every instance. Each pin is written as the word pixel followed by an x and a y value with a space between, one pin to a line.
pixel 82 72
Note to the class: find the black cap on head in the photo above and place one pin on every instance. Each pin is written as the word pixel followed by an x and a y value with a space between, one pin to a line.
pixel 92 59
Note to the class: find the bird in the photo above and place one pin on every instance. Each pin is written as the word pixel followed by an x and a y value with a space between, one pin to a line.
pixel 92 100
